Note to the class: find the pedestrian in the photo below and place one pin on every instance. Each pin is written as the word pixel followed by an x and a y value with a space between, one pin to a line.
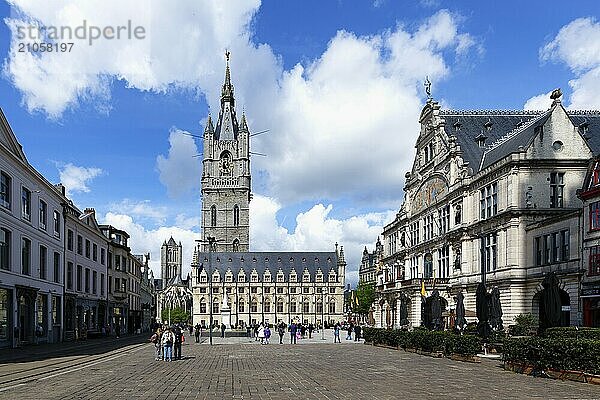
pixel 118 330
pixel 267 334
pixel 281 331
pixel 178 341
pixel 197 333
pixel 155 339
pixel 223 327
pixel 357 333
pixel 303 330
pixel 311 328
pixel 167 340
pixel 336 333
pixel 350 329
pixel 261 333
pixel 255 330
pixel 293 330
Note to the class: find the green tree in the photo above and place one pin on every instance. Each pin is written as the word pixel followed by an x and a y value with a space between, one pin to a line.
pixel 177 315
pixel 364 298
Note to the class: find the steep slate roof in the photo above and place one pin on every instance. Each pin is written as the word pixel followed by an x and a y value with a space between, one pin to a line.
pixel 472 124
pixel 510 129
pixel 591 132
pixel 512 141
pixel 273 261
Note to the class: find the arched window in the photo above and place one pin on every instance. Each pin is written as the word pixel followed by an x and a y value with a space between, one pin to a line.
pixel 254 306
pixel 215 306
pixel 236 245
pixel 267 305
pixel 241 306
pixel 319 307
pixel 202 306
pixel 213 215
pixel 279 305
pixel 236 215
pixel 332 307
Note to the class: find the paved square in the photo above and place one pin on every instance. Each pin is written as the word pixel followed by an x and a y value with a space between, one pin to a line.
pixel 312 370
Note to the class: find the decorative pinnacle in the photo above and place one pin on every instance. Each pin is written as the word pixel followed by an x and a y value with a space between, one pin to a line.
pixel 227 91
pixel 427 85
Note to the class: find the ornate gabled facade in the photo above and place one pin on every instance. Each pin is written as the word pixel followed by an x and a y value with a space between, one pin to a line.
pixel 491 197
pixel 226 177
pixel 369 263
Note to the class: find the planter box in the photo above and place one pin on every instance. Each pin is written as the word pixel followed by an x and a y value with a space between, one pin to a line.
pixel 459 357
pixel 593 379
pixel 519 368
pixel 576 376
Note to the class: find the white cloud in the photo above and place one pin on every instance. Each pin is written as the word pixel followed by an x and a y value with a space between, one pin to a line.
pixel 180 171
pixel 539 102
pixel 145 240
pixel 338 124
pixel 76 179
pixel 141 209
pixel 315 231
pixel 577 44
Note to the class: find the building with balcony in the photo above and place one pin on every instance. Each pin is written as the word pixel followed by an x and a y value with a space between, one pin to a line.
pixel 86 249
pixel 118 257
pixel 491 197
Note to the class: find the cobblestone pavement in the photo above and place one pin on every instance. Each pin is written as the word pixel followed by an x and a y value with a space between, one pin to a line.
pixel 315 369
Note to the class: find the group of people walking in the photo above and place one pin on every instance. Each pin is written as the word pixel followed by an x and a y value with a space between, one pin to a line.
pixel 167 343
pixel 167 340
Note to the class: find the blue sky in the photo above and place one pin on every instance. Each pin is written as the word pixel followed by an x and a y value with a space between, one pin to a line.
pixel 337 83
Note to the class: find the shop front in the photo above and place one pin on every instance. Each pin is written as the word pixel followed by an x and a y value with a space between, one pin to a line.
pixel 590 296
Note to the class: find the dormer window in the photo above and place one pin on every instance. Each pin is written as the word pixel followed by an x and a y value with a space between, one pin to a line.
pixel 457 125
pixel 583 129
pixel 488 125
pixel 480 139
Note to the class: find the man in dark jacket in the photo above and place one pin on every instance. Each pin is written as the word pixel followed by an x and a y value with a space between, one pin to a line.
pixel 281 331
pixel 293 330
pixel 357 330
pixel 223 327
pixel 177 345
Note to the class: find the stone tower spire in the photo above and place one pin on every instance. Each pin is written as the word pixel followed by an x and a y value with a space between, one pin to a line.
pixel 226 176
pixel 170 261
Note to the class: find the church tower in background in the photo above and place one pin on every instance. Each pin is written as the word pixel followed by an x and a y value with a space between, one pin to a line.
pixel 226 177
pixel 170 261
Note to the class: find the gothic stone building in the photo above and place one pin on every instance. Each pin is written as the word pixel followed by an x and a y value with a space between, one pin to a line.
pixel 260 286
pixel 174 291
pixel 491 197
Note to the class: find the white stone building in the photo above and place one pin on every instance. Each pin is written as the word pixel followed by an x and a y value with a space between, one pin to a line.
pixel 491 197
pixel 31 248
pixel 85 306
pixel 175 292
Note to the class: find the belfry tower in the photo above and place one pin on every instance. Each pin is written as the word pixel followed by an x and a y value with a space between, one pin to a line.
pixel 226 177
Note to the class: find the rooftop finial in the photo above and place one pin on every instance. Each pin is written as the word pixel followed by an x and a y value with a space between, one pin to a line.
pixel 227 54
pixel 556 95
pixel 427 85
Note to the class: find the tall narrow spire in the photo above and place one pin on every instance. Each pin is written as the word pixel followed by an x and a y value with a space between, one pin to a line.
pixel 227 91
